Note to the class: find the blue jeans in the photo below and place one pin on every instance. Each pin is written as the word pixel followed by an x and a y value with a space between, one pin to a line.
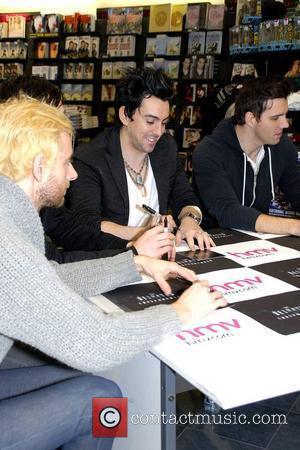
pixel 50 406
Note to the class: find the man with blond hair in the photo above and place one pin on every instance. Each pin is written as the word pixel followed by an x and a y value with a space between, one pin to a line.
pixel 43 305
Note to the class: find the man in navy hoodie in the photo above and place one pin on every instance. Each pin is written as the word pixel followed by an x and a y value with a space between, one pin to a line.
pixel 239 167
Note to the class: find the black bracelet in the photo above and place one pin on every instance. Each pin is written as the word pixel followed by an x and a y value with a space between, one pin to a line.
pixel 134 250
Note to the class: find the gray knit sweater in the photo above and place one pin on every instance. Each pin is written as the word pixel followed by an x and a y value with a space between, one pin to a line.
pixel 39 309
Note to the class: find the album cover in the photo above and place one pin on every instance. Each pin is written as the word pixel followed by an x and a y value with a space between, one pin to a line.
pixel 115 21
pixel 172 69
pixel 126 45
pixel 54 49
pixel 87 92
pixel 205 261
pixel 95 45
pixel 288 271
pixel 196 116
pixel 68 71
pixel 76 92
pixel 173 45
pixel 69 24
pixel 84 46
pixel 133 20
pixel 192 17
pixel 177 15
pixel 191 137
pixel 108 92
pixel 150 46
pixel 85 23
pixel 53 71
pixel 16 26
pixel 160 18
pixel 199 67
pixel 186 114
pixel 215 18
pixel 52 22
pixel 38 24
pixel 88 71
pixel 161 44
pixel 3 30
pixel 66 91
pixel 196 42
pixel 278 312
pixel 78 71
pixel 111 115
pixel 222 236
pixel 4 50
pixel 43 50
pixel 107 70
pixel 117 70
pixel 139 296
pixel 186 67
pixel 200 92
pixel 213 42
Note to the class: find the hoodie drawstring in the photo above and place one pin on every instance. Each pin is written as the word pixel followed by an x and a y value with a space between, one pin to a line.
pixel 271 174
pixel 244 179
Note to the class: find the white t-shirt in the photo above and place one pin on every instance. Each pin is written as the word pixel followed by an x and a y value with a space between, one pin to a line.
pixel 137 216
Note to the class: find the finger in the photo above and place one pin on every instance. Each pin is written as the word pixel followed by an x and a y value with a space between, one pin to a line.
pixel 182 272
pixel 220 303
pixel 166 237
pixel 163 284
pixel 178 237
pixel 208 240
pixel 204 283
pixel 190 242
pixel 204 240
pixel 155 230
pixel 172 252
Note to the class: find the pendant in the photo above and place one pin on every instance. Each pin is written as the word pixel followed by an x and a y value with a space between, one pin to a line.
pixel 139 180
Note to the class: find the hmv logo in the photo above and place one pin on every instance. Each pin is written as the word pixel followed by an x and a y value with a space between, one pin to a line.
pixel 205 330
pixel 230 285
pixel 256 252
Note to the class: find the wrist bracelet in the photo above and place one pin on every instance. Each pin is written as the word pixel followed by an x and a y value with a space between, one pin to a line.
pixel 134 250
pixel 198 219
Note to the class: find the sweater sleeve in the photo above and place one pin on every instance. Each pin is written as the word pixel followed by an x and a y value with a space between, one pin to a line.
pixel 37 308
pixel 95 276
pixel 216 191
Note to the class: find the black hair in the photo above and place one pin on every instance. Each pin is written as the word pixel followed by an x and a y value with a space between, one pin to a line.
pixel 141 83
pixel 35 87
pixel 254 96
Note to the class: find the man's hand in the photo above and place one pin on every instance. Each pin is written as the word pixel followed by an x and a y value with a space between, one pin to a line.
pixel 160 271
pixel 155 243
pixel 190 230
pixel 197 302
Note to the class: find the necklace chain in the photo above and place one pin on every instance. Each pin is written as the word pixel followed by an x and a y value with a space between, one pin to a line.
pixel 137 177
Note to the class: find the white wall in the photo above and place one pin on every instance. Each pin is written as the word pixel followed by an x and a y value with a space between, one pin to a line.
pixel 87 6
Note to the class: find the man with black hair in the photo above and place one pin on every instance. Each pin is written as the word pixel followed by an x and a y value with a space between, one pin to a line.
pixel 127 166
pixel 46 92
pixel 238 168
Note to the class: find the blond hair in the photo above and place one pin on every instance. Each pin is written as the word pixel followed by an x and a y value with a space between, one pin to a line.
pixel 29 127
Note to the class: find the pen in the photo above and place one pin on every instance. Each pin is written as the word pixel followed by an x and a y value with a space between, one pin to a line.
pixel 152 211
pixel 149 210
pixel 166 230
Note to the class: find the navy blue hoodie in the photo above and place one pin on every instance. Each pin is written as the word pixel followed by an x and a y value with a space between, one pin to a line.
pixel 222 175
